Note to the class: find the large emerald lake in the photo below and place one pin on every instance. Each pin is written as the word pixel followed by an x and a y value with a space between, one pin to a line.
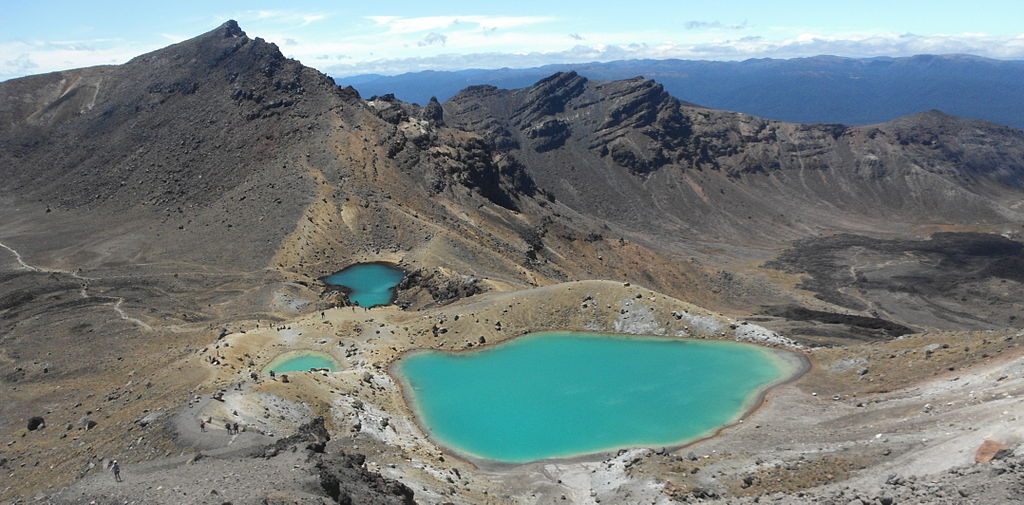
pixel 368 284
pixel 559 394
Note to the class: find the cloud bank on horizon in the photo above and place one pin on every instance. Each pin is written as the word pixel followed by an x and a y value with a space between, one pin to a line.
pixel 347 40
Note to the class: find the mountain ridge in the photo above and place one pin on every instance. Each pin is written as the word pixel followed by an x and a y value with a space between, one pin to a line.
pixel 636 125
pixel 822 89
pixel 595 146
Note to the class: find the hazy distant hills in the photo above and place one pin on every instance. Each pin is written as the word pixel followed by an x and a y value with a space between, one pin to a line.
pixel 822 89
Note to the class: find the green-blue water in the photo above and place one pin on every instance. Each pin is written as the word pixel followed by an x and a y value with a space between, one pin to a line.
pixel 558 394
pixel 371 284
pixel 301 362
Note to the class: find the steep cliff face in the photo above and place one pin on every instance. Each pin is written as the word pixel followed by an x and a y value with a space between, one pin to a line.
pixel 630 153
pixel 634 123
pixel 441 157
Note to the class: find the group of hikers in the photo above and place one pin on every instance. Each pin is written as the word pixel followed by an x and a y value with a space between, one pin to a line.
pixel 231 428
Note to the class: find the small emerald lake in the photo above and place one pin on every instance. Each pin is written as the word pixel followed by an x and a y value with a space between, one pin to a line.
pixel 301 361
pixel 562 394
pixel 368 284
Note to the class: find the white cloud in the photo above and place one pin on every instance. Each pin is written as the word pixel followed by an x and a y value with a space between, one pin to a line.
pixel 605 47
pixel 312 18
pixel 391 44
pixel 273 17
pixel 432 38
pixel 399 25
pixel 20 58
pixel 706 25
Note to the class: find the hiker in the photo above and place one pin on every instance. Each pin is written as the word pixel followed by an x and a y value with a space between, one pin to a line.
pixel 227 426
pixel 202 425
pixel 272 374
pixel 234 427
pixel 116 469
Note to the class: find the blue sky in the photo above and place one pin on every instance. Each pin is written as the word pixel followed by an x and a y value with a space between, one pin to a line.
pixel 345 38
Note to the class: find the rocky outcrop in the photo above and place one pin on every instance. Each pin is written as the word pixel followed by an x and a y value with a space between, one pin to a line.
pixel 344 478
pixel 312 436
pixel 433 112
pixel 442 158
pixel 600 147
pixel 342 475
pixel 441 286
pixel 550 96
pixel 634 122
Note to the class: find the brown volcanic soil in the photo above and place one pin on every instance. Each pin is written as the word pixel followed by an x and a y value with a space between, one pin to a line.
pixel 820 431
pixel 180 208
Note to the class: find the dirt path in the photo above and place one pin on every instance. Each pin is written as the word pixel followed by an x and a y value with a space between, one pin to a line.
pixel 17 256
pixel 84 291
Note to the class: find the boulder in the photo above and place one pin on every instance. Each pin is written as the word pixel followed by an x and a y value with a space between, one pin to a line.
pixel 989 450
pixel 344 477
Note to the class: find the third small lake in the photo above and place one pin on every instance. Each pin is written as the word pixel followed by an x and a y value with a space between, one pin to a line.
pixel 369 284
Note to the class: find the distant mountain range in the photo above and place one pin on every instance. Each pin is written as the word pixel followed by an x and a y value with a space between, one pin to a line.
pixel 822 89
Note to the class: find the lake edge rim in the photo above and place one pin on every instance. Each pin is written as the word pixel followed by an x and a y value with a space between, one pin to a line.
pixel 793 365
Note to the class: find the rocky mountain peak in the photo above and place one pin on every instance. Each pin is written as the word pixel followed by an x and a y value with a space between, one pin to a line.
pixel 559 79
pixel 215 47
pixel 230 29
pixel 549 96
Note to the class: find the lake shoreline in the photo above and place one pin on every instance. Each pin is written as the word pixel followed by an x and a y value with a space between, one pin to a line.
pixel 351 292
pixel 792 364
pixel 278 360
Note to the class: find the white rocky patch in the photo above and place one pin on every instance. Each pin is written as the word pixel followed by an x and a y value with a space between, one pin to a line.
pixel 704 325
pixel 264 412
pixel 290 303
pixel 607 481
pixel 393 430
pixel 848 364
pixel 746 332
pixel 637 319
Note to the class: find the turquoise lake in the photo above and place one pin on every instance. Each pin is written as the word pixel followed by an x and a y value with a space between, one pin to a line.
pixel 301 362
pixel 559 394
pixel 369 284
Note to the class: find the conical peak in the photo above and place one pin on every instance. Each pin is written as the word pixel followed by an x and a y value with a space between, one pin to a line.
pixel 230 29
